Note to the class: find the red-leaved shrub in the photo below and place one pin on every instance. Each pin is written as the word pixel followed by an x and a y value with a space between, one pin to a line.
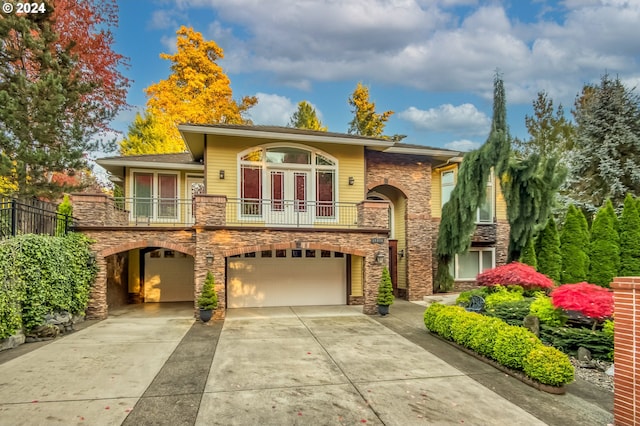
pixel 515 273
pixel 590 300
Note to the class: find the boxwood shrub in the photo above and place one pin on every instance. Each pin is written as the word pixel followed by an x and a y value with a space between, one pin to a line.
pixel 548 365
pixel 514 347
pixel 513 344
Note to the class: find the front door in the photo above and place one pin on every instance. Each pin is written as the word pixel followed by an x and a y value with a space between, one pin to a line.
pixel 393 265
pixel 289 193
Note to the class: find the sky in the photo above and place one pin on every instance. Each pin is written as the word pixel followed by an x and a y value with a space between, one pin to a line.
pixel 432 62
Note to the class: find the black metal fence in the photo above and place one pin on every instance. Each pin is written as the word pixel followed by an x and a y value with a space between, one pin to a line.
pixel 31 216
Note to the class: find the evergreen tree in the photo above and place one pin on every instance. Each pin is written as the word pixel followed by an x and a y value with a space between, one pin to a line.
pixel 604 249
pixel 549 258
pixel 366 122
pixel 528 255
pixel 551 133
pixel 606 155
pixel 629 239
pixel 306 118
pixel 45 124
pixel 574 246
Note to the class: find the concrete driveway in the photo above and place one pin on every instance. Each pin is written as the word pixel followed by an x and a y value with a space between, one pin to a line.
pixel 152 365
pixel 333 365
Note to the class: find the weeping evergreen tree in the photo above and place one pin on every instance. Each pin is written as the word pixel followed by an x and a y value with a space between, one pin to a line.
pixel 604 249
pixel 549 258
pixel 528 255
pixel 574 247
pixel 629 239
pixel 528 185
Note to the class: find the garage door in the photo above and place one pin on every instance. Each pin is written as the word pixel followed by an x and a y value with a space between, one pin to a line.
pixel 168 276
pixel 287 278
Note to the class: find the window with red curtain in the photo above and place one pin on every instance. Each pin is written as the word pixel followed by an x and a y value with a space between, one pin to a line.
pixel 324 193
pixel 168 194
pixel 277 191
pixel 251 190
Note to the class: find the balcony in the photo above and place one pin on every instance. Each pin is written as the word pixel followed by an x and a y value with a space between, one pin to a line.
pixel 99 210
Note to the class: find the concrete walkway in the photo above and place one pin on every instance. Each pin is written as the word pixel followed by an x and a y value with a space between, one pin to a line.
pixel 274 366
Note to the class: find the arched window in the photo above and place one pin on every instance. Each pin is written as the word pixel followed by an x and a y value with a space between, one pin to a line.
pixel 288 180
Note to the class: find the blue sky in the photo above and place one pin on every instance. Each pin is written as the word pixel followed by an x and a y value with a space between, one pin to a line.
pixel 430 61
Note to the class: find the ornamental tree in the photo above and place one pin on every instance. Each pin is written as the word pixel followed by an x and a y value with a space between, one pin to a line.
pixel 574 247
pixel 515 273
pixel 629 239
pixel 366 121
pixel 604 249
pixel 589 299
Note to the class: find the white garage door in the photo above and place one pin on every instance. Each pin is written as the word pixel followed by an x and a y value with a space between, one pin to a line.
pixel 168 276
pixel 287 278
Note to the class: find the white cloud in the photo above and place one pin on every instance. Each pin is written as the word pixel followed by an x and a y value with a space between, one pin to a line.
pixel 272 110
pixel 163 19
pixel 169 43
pixel 424 45
pixel 463 119
pixel 462 145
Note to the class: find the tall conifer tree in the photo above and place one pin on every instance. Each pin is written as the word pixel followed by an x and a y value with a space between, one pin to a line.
pixel 629 239
pixel 574 246
pixel 604 249
pixel 549 258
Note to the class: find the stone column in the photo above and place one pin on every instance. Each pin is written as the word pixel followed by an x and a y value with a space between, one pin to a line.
pixel 626 400
pixel 373 214
pixel 210 210
pixel 98 308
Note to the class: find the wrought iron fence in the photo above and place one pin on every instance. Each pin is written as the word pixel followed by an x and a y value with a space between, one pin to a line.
pixel 31 216
pixel 294 213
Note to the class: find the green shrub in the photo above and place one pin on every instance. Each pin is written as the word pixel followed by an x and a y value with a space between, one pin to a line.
pixel 548 365
pixel 569 339
pixel 512 313
pixel 483 338
pixel 604 248
pixel 442 322
pixel 465 326
pixel 208 298
pixel 549 255
pixel 385 289
pixel 543 308
pixel 65 211
pixel 501 294
pixel 44 275
pixel 608 328
pixel 513 347
pixel 513 344
pixel 431 313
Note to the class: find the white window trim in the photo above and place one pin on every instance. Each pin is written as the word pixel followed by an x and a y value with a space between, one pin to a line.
pixel 456 276
pixel 313 168
pixel 492 202
pixel 154 195
pixel 453 185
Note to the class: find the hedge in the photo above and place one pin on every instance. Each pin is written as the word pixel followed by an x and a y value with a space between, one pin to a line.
pixel 41 275
pixel 512 346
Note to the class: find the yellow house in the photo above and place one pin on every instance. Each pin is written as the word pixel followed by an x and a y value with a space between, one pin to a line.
pixel 282 217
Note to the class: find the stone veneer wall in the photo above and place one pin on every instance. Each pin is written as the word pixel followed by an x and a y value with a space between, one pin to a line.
pixel 626 342
pixel 411 174
pixel 222 243
pixel 110 241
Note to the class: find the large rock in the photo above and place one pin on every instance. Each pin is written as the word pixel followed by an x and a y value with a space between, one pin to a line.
pixel 12 341
pixel 584 358
pixel 532 323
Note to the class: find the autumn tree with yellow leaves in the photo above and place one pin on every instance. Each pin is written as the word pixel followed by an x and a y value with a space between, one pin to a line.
pixel 366 122
pixel 197 91
pixel 148 135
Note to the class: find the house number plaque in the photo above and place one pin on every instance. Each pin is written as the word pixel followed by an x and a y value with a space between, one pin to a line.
pixel 377 241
